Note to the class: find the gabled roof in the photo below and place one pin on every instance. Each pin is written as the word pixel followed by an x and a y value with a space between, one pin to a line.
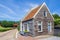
pixel 33 12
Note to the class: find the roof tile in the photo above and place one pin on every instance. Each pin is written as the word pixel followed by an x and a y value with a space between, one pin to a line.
pixel 31 14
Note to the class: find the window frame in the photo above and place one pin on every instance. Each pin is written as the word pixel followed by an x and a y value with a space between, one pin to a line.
pixel 49 24
pixel 41 26
pixel 45 14
pixel 26 28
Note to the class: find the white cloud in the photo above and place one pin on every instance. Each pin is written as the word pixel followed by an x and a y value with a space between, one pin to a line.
pixel 26 10
pixel 4 16
pixel 8 17
pixel 33 5
pixel 10 10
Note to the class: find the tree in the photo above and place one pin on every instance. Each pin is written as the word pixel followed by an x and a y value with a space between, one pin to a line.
pixel 56 16
pixel 56 19
pixel 5 23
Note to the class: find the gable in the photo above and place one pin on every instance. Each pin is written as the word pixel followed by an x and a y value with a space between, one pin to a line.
pixel 40 12
pixel 34 12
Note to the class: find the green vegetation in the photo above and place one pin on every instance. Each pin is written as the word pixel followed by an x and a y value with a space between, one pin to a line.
pixel 26 31
pixel 57 23
pixel 56 20
pixel 7 25
pixel 18 28
pixel 2 29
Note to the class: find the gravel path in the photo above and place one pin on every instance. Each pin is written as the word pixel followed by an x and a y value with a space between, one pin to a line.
pixel 9 35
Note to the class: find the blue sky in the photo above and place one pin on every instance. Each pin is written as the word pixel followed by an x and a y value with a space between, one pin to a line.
pixel 16 9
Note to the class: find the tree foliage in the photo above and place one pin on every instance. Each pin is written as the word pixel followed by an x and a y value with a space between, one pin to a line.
pixel 5 23
pixel 56 19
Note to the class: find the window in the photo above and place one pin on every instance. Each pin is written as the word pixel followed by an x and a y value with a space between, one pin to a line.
pixel 39 26
pixel 45 13
pixel 25 25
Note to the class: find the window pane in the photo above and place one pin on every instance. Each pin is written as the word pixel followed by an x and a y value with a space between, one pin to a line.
pixel 39 23
pixel 39 27
pixel 45 13
pixel 25 25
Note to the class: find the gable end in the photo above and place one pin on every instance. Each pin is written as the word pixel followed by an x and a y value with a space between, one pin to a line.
pixel 40 9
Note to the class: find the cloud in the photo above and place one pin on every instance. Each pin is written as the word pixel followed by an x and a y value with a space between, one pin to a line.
pixel 10 10
pixel 4 16
pixel 7 16
pixel 32 4
pixel 26 10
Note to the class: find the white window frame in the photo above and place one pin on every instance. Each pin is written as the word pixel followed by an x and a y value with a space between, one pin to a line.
pixel 41 26
pixel 50 27
pixel 23 28
pixel 27 27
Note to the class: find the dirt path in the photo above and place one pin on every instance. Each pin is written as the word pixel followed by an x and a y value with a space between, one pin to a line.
pixel 9 35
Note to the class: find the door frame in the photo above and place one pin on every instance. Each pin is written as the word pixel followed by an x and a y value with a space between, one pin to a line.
pixel 49 27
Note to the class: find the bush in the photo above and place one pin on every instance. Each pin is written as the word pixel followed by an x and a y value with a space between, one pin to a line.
pixel 7 23
pixel 56 20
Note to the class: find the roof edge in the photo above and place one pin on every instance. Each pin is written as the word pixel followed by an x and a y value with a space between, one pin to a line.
pixel 28 12
pixel 39 9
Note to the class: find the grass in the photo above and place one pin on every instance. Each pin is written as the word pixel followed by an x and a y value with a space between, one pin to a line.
pixel 26 31
pixel 2 29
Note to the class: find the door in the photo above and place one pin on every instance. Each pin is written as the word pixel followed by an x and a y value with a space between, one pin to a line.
pixel 49 26
pixel 30 28
pixel 25 25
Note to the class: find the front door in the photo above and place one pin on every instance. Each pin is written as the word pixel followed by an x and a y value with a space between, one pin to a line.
pixel 31 28
pixel 49 26
pixel 25 27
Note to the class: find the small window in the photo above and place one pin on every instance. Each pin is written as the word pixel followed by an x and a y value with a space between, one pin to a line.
pixel 39 26
pixel 45 13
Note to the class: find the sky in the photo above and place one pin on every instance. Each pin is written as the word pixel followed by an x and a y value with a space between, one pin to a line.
pixel 15 10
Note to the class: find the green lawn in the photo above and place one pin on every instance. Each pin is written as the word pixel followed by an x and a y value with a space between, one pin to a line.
pixel 2 29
